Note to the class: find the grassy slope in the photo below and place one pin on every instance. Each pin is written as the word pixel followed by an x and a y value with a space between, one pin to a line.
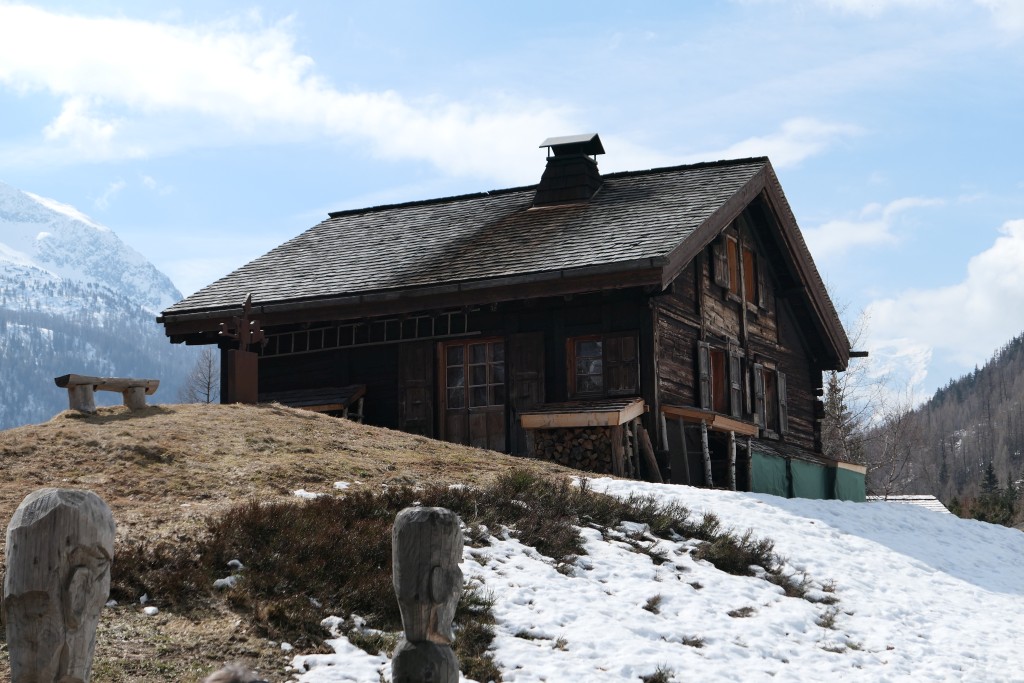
pixel 164 470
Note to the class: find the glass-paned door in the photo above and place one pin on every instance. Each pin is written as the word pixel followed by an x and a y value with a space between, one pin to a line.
pixel 474 393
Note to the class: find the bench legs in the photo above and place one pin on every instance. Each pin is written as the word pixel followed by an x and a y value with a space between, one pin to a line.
pixel 81 398
pixel 135 398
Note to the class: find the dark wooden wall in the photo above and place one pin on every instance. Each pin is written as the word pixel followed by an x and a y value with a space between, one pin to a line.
pixel 695 309
pixel 557 318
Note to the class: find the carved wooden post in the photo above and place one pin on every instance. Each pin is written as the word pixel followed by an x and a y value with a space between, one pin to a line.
pixel 60 543
pixel 426 548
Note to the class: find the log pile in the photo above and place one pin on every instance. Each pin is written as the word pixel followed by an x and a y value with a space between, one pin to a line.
pixel 582 448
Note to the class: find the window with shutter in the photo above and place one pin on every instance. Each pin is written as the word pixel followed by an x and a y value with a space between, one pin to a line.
pixel 732 250
pixel 735 382
pixel 750 282
pixel 603 365
pixel 720 263
pixel 704 374
pixel 759 407
pixel 780 381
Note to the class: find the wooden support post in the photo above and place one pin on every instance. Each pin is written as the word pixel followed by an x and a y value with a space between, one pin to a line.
pixel 750 465
pixel 60 543
pixel 664 431
pixel 649 457
pixel 732 460
pixel 686 455
pixel 426 548
pixel 618 464
pixel 635 424
pixel 707 453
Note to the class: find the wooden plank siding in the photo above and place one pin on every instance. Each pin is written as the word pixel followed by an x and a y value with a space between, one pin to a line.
pixel 766 332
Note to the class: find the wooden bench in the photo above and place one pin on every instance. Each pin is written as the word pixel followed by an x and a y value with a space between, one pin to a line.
pixel 342 401
pixel 81 390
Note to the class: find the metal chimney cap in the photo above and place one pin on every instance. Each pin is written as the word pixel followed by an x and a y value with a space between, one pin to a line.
pixel 587 143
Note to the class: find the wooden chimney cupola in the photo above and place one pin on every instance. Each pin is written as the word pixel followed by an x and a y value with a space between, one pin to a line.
pixel 571 174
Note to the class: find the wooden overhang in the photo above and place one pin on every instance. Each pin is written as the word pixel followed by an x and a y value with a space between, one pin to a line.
pixel 597 413
pixel 714 421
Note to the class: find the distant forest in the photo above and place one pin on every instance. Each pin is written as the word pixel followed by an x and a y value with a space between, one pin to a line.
pixel 107 338
pixel 965 445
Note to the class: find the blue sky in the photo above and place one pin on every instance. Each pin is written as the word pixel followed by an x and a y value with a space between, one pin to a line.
pixel 205 133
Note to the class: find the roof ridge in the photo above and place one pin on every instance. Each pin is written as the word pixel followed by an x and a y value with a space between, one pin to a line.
pixel 521 188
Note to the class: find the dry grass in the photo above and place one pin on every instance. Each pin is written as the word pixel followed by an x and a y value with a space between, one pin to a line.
pixel 166 470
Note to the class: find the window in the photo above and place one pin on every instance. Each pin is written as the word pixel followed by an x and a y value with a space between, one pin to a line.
pixel 732 249
pixel 735 268
pixel 475 375
pixel 603 365
pixel 719 371
pixel 771 410
pixel 750 282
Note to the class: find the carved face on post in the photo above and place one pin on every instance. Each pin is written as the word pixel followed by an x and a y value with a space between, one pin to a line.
pixel 60 544
pixel 426 551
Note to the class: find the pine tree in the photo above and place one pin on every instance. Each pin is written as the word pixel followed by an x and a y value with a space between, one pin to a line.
pixel 990 484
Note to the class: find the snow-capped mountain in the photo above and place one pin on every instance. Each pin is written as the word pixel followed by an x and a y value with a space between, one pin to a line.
pixel 75 298
pixel 65 245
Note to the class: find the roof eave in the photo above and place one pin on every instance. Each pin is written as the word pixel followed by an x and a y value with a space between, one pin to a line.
pixel 615 275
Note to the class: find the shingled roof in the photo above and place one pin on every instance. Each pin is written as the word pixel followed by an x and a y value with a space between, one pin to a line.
pixel 645 222
pixel 634 217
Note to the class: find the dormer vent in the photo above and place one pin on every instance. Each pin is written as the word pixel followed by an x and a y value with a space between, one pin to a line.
pixel 571 175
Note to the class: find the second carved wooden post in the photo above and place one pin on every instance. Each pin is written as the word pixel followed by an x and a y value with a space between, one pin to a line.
pixel 426 548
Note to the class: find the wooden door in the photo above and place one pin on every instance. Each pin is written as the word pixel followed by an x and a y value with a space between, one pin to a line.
pixel 416 388
pixel 525 382
pixel 474 393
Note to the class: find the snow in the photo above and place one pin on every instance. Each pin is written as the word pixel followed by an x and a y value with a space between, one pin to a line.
pixel 48 242
pixel 921 596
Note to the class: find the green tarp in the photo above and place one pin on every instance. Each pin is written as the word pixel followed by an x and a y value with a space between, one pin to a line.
pixel 792 478
pixel 768 475
pixel 849 485
pixel 810 480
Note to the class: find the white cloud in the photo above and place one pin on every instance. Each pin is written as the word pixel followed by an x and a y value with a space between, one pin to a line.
pixel 796 140
pixel 1007 14
pixel 134 88
pixel 873 8
pixel 151 184
pixel 874 227
pixel 964 323
pixel 103 201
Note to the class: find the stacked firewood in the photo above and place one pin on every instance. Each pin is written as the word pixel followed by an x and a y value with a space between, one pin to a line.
pixel 582 448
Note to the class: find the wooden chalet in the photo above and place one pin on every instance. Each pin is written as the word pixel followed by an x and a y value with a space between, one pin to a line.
pixel 668 324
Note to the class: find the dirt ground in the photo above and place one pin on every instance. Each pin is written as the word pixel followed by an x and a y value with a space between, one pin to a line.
pixel 164 470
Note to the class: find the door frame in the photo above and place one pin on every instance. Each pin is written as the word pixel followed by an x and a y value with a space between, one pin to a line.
pixel 441 369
